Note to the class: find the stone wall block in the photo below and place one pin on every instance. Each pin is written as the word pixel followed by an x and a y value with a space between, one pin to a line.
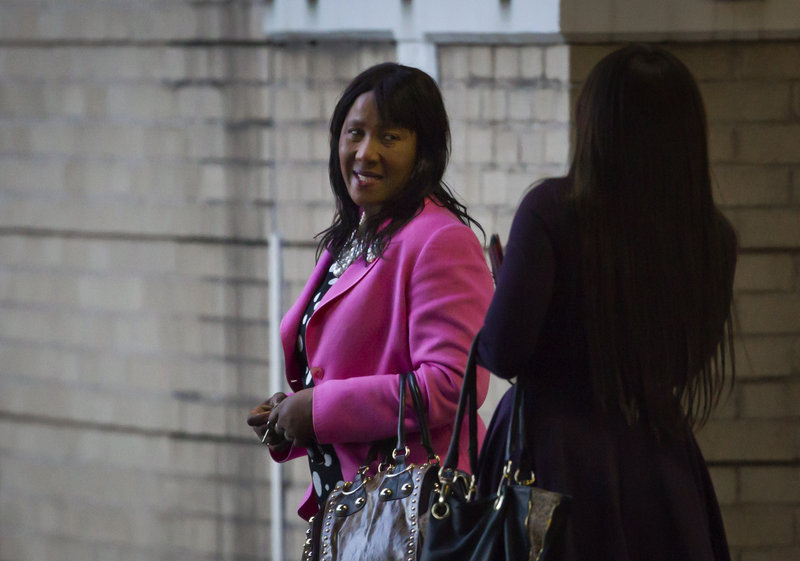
pixel 768 313
pixel 751 185
pixel 759 525
pixel 766 228
pixel 769 144
pixel 742 101
pixel 765 272
pixel 494 105
pixel 769 60
pixel 778 484
pixel 480 62
pixel 532 62
pixel 729 439
pixel 507 147
pixel 771 400
pixel 556 63
pixel 453 64
pixel 772 554
pixel 507 63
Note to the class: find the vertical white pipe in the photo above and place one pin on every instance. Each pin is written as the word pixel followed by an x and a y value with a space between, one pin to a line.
pixel 276 378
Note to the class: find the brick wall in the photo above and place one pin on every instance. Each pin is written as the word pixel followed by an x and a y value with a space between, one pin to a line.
pixel 148 148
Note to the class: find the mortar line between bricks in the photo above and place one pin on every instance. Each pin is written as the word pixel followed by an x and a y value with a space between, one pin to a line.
pixel 74 424
pixel 138 236
pixel 182 43
pixel 141 43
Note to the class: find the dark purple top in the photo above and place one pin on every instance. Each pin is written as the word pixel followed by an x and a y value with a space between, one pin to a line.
pixel 634 497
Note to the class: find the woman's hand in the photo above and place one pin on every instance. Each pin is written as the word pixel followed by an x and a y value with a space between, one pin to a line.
pixel 259 420
pixel 293 418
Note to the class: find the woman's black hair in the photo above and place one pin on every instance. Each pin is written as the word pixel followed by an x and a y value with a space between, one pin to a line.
pixel 406 97
pixel 657 256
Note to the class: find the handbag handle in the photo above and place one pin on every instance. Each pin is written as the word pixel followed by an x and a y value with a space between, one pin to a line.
pixel 422 415
pixel 419 409
pixel 467 403
pixel 517 433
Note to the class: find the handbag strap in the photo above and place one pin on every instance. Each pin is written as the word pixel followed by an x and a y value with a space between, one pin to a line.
pixel 408 378
pixel 467 403
pixel 422 415
pixel 517 433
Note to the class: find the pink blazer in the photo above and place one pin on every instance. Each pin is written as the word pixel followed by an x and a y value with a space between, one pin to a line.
pixel 415 309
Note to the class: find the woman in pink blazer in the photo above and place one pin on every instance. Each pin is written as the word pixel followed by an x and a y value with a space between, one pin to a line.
pixel 401 286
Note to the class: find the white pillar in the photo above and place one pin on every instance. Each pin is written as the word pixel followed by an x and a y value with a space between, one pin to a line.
pixel 419 54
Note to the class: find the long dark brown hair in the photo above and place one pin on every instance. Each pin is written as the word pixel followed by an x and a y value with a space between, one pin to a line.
pixel 406 97
pixel 657 255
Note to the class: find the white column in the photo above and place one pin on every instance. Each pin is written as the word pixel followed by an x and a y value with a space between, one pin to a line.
pixel 419 54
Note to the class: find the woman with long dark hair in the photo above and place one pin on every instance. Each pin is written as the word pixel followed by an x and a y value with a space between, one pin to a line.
pixel 400 285
pixel 613 309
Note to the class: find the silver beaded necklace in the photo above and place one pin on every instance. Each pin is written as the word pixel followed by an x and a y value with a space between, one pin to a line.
pixel 351 251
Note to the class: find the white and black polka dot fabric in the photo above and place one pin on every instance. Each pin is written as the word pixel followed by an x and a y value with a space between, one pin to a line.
pixel 326 471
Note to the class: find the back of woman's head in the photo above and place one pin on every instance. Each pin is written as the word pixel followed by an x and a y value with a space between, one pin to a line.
pixel 656 254
pixel 640 121
pixel 409 98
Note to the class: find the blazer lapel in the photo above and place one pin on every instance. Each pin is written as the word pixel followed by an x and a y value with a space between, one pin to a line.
pixel 291 321
pixel 351 276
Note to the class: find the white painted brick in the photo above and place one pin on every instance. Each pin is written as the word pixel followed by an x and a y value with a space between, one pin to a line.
pixel 751 185
pixel 747 101
pixel 767 144
pixel 779 228
pixel 721 143
pixel 769 313
pixel 506 63
pixel 533 146
pixel 765 272
pixel 507 149
pixel 556 63
pixel 550 105
pixel 556 147
pixel 769 60
pixel 796 187
pixel 520 105
pixel 758 525
pixel 32 176
pixel 494 187
pixel 479 145
pixel 453 63
pixel 291 63
pixel 463 104
pixel 371 54
pixel 494 104
pixel 458 145
pixel 584 57
pixel 772 554
pixel 200 103
pixel 771 400
pixel 725 481
pixel 767 356
pixel 729 439
pixel 532 62
pixel 480 62
pixel 706 62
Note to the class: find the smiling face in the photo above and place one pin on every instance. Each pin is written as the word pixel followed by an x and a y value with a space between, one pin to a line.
pixel 376 158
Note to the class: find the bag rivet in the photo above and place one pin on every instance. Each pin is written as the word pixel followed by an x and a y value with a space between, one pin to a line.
pixel 341 509
pixel 386 493
pixel 360 501
pixel 407 487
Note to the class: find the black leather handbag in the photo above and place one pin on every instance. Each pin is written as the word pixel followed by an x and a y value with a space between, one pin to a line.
pixel 520 522
pixel 378 516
